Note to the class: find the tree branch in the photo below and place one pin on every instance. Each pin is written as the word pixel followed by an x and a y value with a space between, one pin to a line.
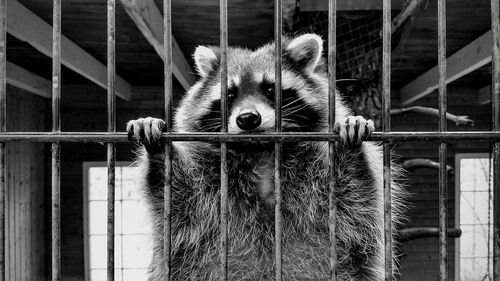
pixel 417 163
pixel 458 119
pixel 413 233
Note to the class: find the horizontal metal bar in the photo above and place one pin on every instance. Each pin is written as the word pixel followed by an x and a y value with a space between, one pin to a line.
pixel 227 137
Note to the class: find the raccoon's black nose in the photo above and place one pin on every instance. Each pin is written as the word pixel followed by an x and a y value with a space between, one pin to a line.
pixel 248 120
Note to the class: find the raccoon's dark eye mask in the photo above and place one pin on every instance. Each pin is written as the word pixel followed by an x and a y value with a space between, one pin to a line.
pixel 267 89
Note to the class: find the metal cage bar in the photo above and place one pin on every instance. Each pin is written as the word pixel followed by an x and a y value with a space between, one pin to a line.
pixel 495 101
pixel 278 149
pixel 168 94
pixel 3 128
pixel 56 148
pixel 99 137
pixel 224 176
pixel 332 199
pixel 386 127
pixel 443 182
pixel 111 153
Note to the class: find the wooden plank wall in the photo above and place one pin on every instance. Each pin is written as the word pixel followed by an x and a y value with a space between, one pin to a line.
pixel 26 216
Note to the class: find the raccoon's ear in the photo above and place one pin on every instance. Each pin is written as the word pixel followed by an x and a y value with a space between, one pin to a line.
pixel 305 51
pixel 205 59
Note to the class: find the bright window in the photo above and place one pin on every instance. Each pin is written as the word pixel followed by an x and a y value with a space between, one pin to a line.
pixel 132 226
pixel 474 211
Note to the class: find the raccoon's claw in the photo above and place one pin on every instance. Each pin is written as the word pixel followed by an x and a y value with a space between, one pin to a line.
pixel 145 130
pixel 354 129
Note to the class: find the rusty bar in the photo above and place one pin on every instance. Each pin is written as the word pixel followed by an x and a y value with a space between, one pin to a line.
pixel 386 127
pixel 99 137
pixel 495 27
pixel 443 189
pixel 387 212
pixel 111 155
pixel 223 155
pixel 3 128
pixel 56 66
pixel 278 23
pixel 496 210
pixel 56 212
pixel 332 199
pixel 167 194
pixel 56 148
pixel 278 151
pixel 443 220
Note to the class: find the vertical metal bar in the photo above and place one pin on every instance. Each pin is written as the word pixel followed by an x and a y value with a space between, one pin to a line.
pixel 332 200
pixel 443 189
pixel 495 101
pixel 278 23
pixel 111 146
pixel 278 217
pixel 167 195
pixel 386 127
pixel 3 128
pixel 56 148
pixel 224 176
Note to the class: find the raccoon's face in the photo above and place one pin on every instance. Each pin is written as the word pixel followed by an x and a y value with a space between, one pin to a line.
pixel 251 94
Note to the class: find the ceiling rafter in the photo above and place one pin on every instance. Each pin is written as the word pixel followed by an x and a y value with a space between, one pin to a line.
pixel 149 21
pixel 27 26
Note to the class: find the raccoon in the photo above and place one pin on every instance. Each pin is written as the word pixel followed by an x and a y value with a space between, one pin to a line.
pixel 195 213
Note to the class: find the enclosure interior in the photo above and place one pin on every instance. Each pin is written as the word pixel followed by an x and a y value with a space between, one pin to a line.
pixel 250 24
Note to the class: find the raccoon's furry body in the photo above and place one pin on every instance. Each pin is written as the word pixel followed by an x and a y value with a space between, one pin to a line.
pixel 195 212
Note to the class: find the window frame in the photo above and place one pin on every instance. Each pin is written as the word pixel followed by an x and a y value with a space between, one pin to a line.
pixel 85 166
pixel 458 157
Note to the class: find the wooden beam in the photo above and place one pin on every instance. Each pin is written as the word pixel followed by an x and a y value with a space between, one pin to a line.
pixel 26 26
pixel 348 5
pixel 471 57
pixel 149 20
pixel 408 11
pixel 484 95
pixel 26 80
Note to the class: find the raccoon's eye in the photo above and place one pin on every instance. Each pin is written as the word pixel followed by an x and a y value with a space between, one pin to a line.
pixel 231 93
pixel 269 91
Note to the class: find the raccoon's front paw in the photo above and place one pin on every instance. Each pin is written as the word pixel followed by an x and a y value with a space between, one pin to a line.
pixel 146 131
pixel 354 129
